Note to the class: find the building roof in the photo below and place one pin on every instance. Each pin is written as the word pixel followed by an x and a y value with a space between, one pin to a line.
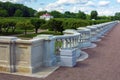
pixel 46 14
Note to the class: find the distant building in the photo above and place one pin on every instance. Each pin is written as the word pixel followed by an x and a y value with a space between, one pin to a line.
pixel 46 16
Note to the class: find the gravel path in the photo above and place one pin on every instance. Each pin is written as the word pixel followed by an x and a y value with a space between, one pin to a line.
pixel 102 64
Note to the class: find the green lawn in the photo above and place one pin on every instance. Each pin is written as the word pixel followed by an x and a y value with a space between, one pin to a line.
pixel 33 35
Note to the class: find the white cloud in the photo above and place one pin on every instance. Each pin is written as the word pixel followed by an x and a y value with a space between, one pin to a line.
pixel 90 3
pixel 71 1
pixel 40 9
pixel 86 6
pixel 104 3
pixel 118 1
pixel 107 11
pixel 18 1
pixel 52 7
pixel 59 4
pixel 74 9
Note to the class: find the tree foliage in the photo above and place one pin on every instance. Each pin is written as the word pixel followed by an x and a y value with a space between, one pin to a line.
pixel 25 26
pixel 37 23
pixel 18 13
pixel 55 25
pixel 7 25
pixel 3 13
pixel 117 16
pixel 81 15
pixel 68 14
pixel 11 9
pixel 56 14
pixel 94 15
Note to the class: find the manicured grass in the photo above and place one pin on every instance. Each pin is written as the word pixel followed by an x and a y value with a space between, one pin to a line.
pixel 33 35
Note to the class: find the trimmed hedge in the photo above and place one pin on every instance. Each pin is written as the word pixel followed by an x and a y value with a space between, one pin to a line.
pixel 8 24
pixel 72 23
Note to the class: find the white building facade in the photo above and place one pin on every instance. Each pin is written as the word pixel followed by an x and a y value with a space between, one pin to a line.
pixel 46 16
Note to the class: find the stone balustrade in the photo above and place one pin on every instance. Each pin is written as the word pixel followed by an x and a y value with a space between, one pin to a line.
pixel 27 56
pixel 85 40
pixel 68 40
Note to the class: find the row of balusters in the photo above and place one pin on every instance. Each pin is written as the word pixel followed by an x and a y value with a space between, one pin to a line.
pixel 87 35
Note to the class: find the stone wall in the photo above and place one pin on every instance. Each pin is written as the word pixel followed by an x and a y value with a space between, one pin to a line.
pixel 22 56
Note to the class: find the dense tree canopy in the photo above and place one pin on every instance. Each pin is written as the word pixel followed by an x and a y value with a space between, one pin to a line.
pixel 117 16
pixel 25 26
pixel 94 15
pixel 56 14
pixel 18 13
pixel 3 13
pixel 10 9
pixel 81 15
pixel 37 23
pixel 68 14
pixel 55 25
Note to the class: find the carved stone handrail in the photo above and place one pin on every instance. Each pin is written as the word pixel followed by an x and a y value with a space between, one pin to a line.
pixel 85 37
pixel 68 41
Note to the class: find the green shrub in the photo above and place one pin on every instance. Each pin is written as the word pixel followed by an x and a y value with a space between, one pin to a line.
pixel 25 26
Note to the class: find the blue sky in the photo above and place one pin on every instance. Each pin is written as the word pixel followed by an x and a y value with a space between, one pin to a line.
pixel 104 7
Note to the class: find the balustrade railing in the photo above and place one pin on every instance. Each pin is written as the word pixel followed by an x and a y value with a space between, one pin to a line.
pixel 93 33
pixel 29 55
pixel 67 41
pixel 85 37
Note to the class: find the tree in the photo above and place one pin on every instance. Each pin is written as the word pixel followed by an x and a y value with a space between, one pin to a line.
pixel 3 13
pixel 18 13
pixel 56 25
pixel 11 9
pixel 81 15
pixel 31 12
pixel 94 15
pixel 117 16
pixel 56 14
pixel 1 23
pixel 25 26
pixel 37 23
pixel 7 25
pixel 68 14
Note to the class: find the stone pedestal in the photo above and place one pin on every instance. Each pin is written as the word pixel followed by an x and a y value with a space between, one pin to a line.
pixel 7 54
pixel 68 57
pixel 49 58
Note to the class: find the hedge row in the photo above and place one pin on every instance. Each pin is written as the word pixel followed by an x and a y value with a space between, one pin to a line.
pixel 56 24
pixel 71 23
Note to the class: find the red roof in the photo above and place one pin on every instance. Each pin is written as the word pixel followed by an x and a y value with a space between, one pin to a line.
pixel 46 14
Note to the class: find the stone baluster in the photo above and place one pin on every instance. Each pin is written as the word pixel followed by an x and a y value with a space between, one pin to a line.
pixel 64 43
pixel 70 42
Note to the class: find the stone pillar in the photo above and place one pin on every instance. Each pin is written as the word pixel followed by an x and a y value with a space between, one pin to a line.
pixel 29 55
pixel 74 43
pixel 49 58
pixel 7 54
pixel 68 57
pixel 85 40
pixel 23 56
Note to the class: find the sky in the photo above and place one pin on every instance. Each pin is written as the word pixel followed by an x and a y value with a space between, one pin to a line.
pixel 103 7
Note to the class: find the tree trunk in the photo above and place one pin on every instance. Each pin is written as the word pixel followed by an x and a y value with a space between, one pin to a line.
pixel 13 29
pixel 7 29
pixel 0 29
pixel 36 30
pixel 25 31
